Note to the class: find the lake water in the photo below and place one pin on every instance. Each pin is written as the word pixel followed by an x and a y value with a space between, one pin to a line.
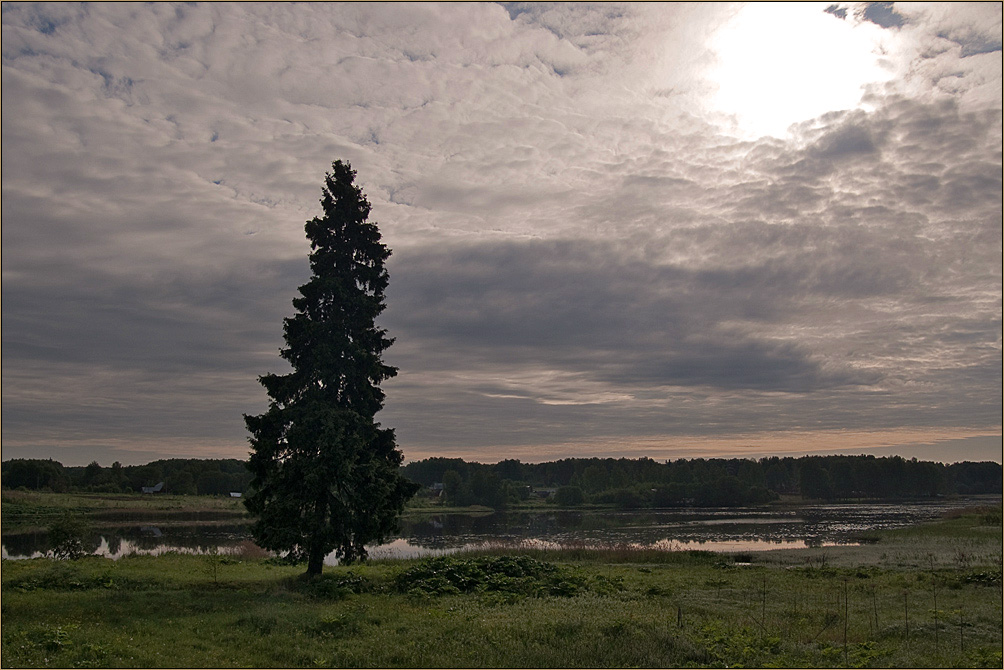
pixel 716 529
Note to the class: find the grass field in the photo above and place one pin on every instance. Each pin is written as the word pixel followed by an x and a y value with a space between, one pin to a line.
pixel 23 509
pixel 36 509
pixel 928 596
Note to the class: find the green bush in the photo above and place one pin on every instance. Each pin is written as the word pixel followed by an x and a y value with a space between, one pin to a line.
pixel 66 537
pixel 569 496
pixel 334 586
pixel 517 575
pixel 66 577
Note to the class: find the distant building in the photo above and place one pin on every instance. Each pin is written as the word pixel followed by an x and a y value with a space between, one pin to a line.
pixel 235 494
pixel 153 489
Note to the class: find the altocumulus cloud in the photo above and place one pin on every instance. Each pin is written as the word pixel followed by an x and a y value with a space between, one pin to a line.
pixel 586 260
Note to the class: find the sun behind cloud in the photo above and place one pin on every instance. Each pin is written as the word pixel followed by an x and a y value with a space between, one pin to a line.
pixel 780 63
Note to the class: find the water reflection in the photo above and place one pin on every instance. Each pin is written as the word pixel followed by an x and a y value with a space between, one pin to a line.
pixel 117 541
pixel 725 530
pixel 402 548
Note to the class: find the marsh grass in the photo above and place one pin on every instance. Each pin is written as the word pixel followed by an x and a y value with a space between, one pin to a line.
pixel 596 552
pixel 576 607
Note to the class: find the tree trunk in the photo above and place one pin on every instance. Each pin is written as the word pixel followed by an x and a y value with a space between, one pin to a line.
pixel 315 562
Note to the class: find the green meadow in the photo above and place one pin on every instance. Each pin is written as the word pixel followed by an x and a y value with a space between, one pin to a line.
pixel 926 596
pixel 39 508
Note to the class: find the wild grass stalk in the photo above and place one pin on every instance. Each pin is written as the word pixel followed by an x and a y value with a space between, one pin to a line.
pixel 875 608
pixel 934 586
pixel 846 618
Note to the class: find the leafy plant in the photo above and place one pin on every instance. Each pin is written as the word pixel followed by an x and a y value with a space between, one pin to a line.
pixel 335 587
pixel 211 563
pixel 66 537
pixel 495 574
pixel 989 577
pixel 344 624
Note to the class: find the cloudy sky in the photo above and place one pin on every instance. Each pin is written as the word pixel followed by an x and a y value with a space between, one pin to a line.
pixel 663 230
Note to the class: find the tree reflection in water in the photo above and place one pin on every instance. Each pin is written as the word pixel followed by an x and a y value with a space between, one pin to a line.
pixel 725 529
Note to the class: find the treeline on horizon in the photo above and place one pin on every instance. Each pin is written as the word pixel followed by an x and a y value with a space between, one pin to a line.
pixel 184 476
pixel 625 483
pixel 640 483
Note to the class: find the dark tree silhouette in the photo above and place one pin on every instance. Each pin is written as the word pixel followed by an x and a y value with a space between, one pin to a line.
pixel 326 475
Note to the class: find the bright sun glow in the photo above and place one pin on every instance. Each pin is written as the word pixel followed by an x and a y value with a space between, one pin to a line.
pixel 780 63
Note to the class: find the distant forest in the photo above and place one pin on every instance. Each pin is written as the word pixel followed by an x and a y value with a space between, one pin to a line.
pixel 702 482
pixel 625 483
pixel 191 476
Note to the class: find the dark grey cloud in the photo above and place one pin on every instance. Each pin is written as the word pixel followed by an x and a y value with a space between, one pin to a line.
pixel 164 323
pixel 837 11
pixel 597 308
pixel 168 355
pixel 882 14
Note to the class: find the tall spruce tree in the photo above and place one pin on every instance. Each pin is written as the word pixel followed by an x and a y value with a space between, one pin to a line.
pixel 326 474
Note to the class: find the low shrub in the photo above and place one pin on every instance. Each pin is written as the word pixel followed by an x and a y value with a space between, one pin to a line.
pixel 989 577
pixel 518 575
pixel 332 586
pixel 66 537
pixel 63 577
